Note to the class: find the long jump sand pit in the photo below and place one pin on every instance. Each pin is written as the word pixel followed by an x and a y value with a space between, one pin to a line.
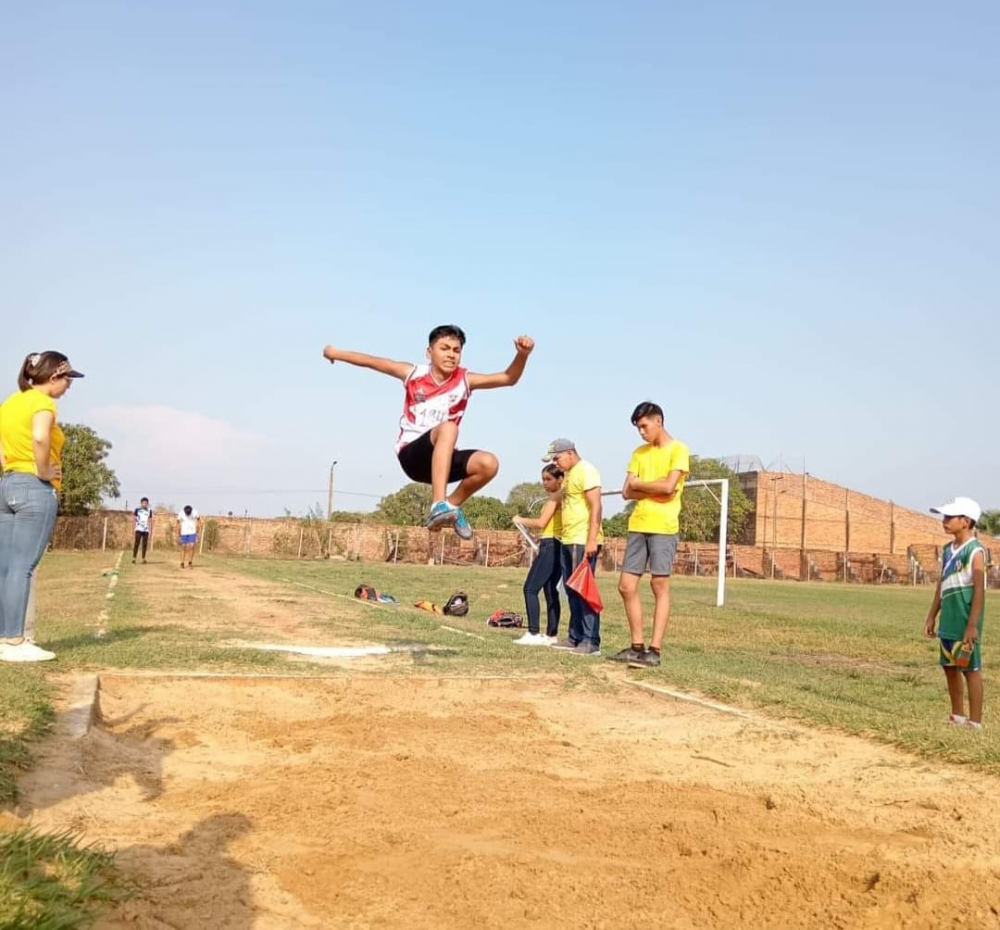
pixel 373 802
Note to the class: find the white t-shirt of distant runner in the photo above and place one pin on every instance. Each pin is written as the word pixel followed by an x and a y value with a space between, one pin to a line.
pixel 429 403
pixel 142 515
pixel 189 525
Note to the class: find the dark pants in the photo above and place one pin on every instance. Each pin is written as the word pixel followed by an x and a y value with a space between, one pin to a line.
pixel 143 539
pixel 544 575
pixel 584 621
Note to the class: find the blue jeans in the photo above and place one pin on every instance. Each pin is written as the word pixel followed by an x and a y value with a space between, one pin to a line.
pixel 28 510
pixel 544 575
pixel 584 621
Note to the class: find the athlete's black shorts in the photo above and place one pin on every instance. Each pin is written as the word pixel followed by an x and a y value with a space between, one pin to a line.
pixel 415 458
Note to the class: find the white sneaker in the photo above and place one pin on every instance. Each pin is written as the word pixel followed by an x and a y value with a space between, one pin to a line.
pixel 25 652
pixel 533 639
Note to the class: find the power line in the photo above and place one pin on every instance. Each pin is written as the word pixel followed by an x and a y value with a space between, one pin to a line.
pixel 266 491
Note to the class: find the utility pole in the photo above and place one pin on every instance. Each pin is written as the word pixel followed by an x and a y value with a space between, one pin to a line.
pixel 774 519
pixel 329 494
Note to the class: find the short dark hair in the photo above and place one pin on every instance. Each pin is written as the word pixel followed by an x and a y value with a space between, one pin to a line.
pixel 38 368
pixel 553 470
pixel 646 409
pixel 445 330
pixel 187 510
pixel 141 499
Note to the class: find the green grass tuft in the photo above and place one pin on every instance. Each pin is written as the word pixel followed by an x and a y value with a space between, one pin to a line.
pixel 51 882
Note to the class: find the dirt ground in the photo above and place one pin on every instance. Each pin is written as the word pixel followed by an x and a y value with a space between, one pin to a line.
pixel 425 803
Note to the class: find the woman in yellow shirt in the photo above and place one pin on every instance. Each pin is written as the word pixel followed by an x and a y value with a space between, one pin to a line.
pixel 546 570
pixel 31 445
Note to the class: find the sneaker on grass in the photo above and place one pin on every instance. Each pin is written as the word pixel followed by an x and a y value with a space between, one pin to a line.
pixel 645 660
pixel 587 649
pixel 957 720
pixel 564 644
pixel 25 652
pixel 628 654
pixel 533 639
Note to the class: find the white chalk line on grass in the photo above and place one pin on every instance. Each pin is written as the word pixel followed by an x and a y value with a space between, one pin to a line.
pixel 452 629
pixel 104 615
pixel 701 702
pixel 357 600
pixel 346 597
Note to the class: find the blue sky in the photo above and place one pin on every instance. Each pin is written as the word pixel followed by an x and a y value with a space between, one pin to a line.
pixel 778 220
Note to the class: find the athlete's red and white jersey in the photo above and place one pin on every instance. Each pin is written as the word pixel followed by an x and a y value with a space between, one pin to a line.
pixel 429 403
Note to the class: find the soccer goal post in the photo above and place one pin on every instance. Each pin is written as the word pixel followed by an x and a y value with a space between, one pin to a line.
pixel 723 499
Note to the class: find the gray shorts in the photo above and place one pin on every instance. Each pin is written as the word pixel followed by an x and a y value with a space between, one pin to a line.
pixel 652 552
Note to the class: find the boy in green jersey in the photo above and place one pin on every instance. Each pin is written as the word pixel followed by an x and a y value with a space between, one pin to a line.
pixel 960 600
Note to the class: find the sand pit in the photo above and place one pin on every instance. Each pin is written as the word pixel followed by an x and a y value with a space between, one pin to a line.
pixel 355 803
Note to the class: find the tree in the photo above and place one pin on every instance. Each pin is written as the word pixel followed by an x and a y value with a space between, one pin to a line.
pixel 488 513
pixel 409 506
pixel 700 511
pixel 86 479
pixel 989 522
pixel 211 533
pixel 617 526
pixel 349 516
pixel 523 497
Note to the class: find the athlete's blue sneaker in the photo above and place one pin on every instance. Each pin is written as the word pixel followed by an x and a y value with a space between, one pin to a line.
pixel 463 529
pixel 442 513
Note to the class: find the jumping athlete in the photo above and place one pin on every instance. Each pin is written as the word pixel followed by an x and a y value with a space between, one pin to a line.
pixel 436 395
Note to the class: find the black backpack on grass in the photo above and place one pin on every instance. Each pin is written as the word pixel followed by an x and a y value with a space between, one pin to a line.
pixel 457 605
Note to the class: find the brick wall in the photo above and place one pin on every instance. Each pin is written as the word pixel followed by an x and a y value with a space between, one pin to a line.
pixel 823 558
pixel 802 512
pixel 300 539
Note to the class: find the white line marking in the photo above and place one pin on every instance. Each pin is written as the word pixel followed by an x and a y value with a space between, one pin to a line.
pixel 452 629
pixel 346 597
pixel 102 617
pixel 691 699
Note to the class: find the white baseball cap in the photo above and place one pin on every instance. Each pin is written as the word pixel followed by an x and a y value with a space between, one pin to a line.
pixel 960 507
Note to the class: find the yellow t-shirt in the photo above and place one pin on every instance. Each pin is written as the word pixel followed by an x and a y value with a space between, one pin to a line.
pixel 653 463
pixel 553 529
pixel 580 478
pixel 16 415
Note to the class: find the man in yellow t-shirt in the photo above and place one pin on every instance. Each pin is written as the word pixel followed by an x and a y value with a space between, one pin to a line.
pixel 581 539
pixel 655 480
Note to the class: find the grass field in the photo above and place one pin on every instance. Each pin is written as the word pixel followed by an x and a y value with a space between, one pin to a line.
pixel 846 657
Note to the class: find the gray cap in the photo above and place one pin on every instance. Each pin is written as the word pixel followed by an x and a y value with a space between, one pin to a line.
pixel 557 446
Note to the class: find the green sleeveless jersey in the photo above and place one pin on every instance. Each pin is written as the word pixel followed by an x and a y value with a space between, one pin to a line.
pixel 956 589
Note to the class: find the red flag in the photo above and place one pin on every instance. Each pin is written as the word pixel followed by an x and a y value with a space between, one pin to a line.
pixel 583 582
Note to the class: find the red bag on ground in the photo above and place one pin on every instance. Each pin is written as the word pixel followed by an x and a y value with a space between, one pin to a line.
pixel 585 584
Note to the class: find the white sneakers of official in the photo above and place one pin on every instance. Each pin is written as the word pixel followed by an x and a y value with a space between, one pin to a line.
pixel 24 652
pixel 535 639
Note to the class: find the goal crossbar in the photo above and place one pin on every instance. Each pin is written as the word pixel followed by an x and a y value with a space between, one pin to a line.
pixel 723 499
